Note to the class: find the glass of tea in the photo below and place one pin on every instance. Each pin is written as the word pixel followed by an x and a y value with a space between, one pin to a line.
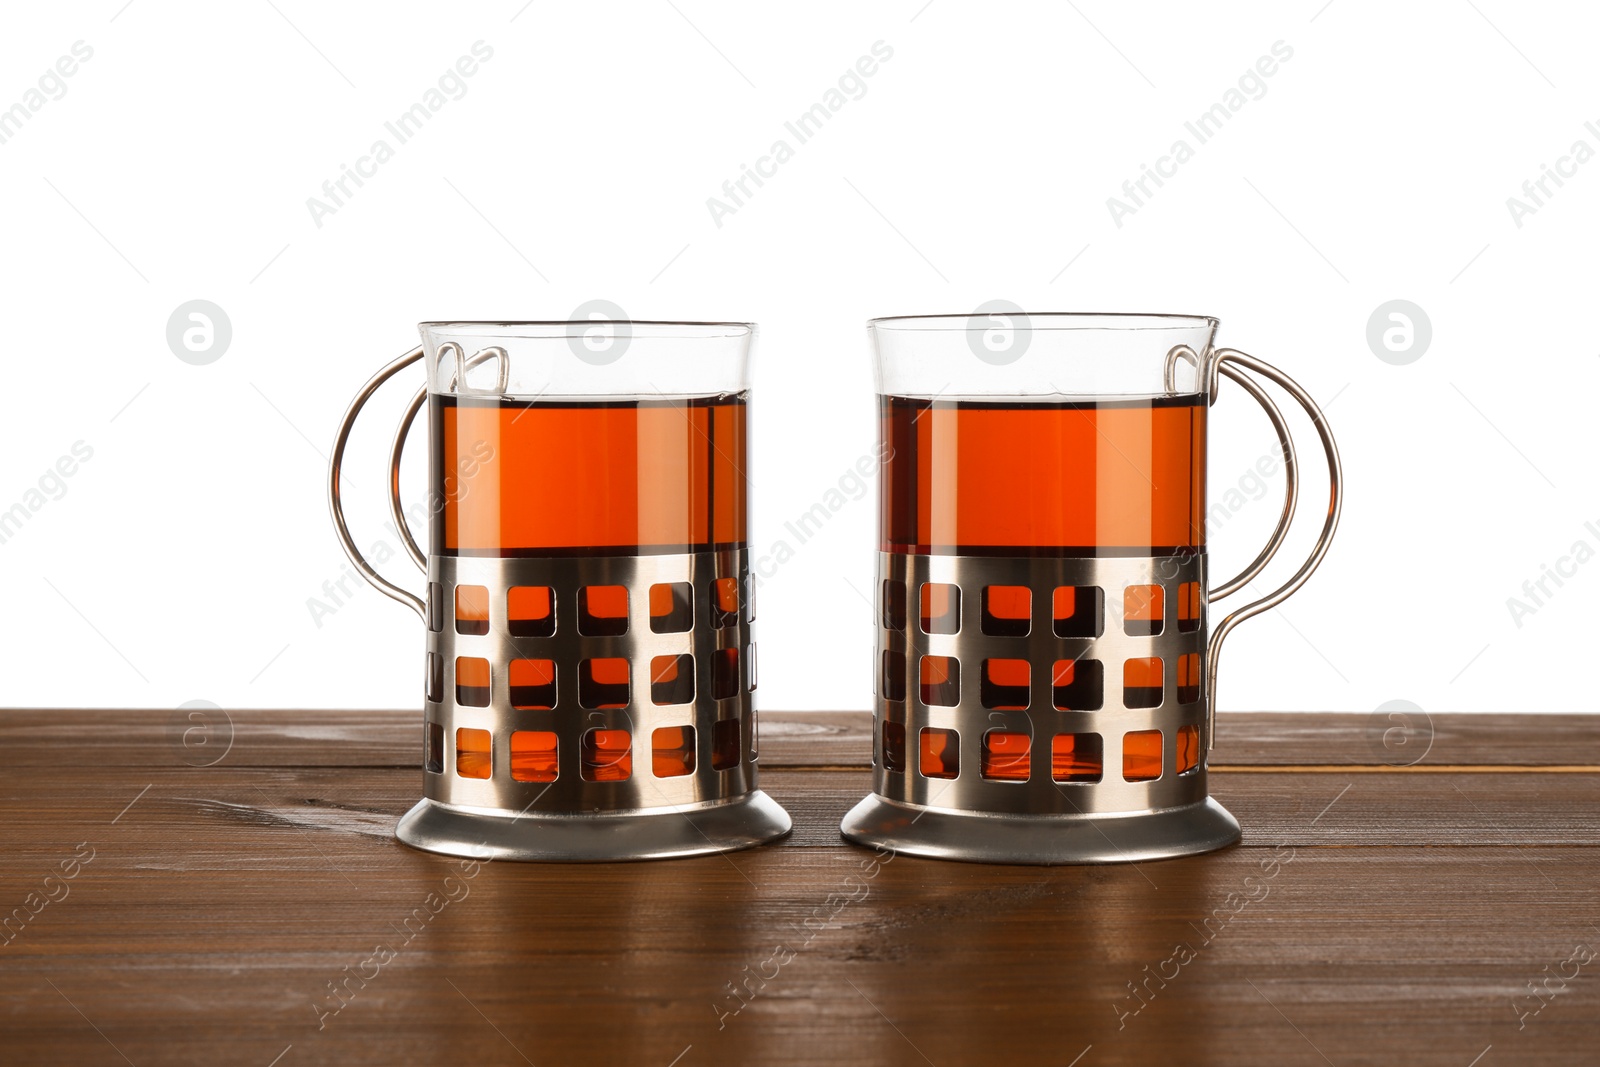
pixel 1045 671
pixel 589 665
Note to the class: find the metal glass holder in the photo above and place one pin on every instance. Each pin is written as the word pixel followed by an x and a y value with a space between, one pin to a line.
pixel 589 811
pixel 1036 815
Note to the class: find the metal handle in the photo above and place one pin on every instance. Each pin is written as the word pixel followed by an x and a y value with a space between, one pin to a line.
pixel 377 580
pixel 1218 364
pixel 1291 465
pixel 459 384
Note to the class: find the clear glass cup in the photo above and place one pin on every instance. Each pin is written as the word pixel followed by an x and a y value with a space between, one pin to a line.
pixel 1046 670
pixel 589 662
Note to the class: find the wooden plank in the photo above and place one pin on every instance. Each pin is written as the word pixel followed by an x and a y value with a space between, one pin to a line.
pixel 145 737
pixel 307 738
pixel 1439 739
pixel 219 906
pixel 217 817
pixel 223 902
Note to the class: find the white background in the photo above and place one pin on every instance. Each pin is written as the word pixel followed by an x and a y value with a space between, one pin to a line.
pixel 1376 166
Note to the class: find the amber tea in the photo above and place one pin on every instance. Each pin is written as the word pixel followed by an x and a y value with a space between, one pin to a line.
pixel 590 477
pixel 1044 477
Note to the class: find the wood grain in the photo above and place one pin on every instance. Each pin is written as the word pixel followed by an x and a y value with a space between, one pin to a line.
pixel 1377 916
pixel 310 738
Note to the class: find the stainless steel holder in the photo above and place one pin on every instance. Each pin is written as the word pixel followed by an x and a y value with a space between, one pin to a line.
pixel 568 799
pixel 1035 815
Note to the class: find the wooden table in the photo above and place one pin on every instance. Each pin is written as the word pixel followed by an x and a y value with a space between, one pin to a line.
pixel 1443 913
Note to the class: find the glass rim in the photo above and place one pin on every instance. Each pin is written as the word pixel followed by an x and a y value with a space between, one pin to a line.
pixel 1050 320
pixel 672 326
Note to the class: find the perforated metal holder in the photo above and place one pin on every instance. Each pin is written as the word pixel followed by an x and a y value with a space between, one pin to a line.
pixel 1029 810
pixel 587 807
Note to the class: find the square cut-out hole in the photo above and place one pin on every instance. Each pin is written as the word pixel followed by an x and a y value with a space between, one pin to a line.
pixel 672 751
pixel 473 757
pixel 725 744
pixel 1076 757
pixel 433 679
pixel 533 684
pixel 1004 685
pixel 1188 677
pixel 724 673
pixel 1007 610
pixel 1005 756
pixel 1188 749
pixel 893 745
pixel 671 607
pixel 1077 610
pixel 603 610
pixel 472 609
pixel 724 602
pixel 606 756
pixel 1141 683
pixel 533 755
pixel 530 611
pixel 435 607
pixel 1141 755
pixel 603 683
pixel 472 682
pixel 1188 607
pixel 1078 685
pixel 433 748
pixel 941 681
pixel 672 679
pixel 892 674
pixel 1143 610
pixel 750 666
pixel 941 753
pixel 753 722
pixel 894 604
pixel 941 608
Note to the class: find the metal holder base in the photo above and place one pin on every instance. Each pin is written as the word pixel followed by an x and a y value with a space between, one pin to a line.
pixel 684 677
pixel 986 837
pixel 660 833
pixel 940 791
